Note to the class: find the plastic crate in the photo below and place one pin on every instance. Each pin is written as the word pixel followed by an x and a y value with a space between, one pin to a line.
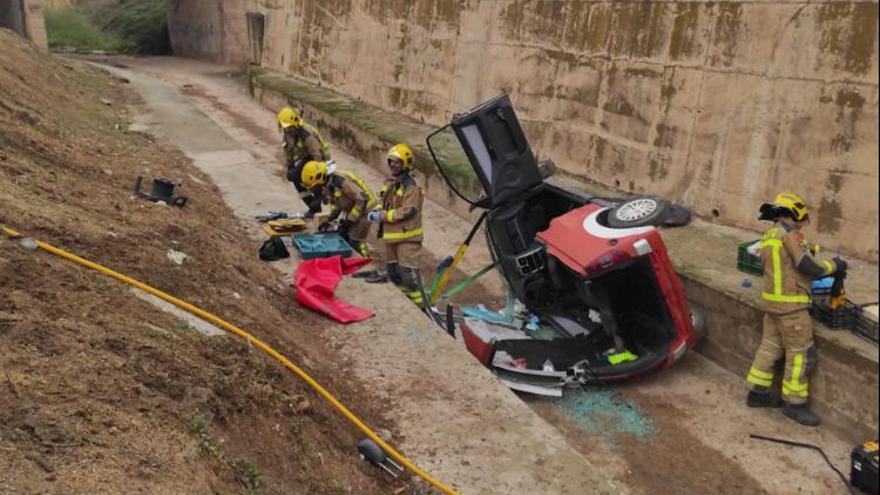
pixel 835 319
pixel 865 327
pixel 747 262
pixel 823 285
pixel 312 246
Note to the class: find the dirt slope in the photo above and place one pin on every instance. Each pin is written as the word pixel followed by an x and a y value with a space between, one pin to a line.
pixel 99 391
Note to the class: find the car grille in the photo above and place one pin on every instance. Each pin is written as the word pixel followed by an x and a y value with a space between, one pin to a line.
pixel 531 261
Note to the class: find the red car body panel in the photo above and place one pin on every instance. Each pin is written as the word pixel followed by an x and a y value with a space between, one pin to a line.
pixel 569 238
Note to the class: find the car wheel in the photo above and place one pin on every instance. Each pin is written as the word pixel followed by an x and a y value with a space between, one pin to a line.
pixel 638 212
pixel 698 320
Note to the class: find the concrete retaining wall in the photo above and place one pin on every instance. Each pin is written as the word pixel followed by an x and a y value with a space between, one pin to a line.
pixel 25 17
pixel 844 387
pixel 214 30
pixel 716 104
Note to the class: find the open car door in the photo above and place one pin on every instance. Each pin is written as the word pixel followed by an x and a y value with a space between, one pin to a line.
pixel 484 155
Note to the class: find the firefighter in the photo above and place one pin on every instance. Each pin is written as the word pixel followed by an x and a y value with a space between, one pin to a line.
pixel 348 196
pixel 789 268
pixel 302 143
pixel 400 221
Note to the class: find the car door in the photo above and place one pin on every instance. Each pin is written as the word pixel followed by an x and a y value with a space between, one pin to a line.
pixel 484 155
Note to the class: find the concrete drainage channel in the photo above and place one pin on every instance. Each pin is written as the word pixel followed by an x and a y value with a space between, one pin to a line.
pixel 454 416
pixel 845 387
pixel 695 406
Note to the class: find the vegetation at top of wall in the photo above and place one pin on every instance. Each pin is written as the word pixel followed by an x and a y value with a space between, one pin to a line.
pixel 115 26
pixel 142 24
pixel 68 29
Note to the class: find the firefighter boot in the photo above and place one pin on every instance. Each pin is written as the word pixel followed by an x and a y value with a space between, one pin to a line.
pixel 410 284
pixel 761 397
pixel 365 274
pixel 376 278
pixel 801 413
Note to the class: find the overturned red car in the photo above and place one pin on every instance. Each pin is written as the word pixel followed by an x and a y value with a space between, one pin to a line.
pixel 602 301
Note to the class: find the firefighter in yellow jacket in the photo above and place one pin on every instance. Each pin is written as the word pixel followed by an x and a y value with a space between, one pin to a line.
pixel 302 143
pixel 400 221
pixel 348 196
pixel 789 268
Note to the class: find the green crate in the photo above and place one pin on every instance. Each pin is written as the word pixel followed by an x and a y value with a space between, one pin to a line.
pixel 321 245
pixel 746 262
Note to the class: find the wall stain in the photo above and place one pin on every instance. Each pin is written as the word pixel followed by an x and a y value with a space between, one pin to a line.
pixel 598 150
pixel 835 181
pixel 561 56
pixel 840 144
pixel 658 168
pixel 829 215
pixel 667 91
pixel 619 164
pixel 643 72
pixel 665 136
pixel 638 28
pixel 848 32
pixel 620 105
pixel 847 98
pixel 576 28
pixel 727 27
pixel 599 27
pixel 682 43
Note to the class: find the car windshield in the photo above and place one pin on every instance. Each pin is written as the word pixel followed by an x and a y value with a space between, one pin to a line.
pixel 454 165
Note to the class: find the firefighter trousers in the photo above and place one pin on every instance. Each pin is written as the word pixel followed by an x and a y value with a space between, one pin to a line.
pixel 789 336
pixel 404 254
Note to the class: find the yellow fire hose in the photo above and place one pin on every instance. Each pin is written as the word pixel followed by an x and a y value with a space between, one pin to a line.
pixel 266 348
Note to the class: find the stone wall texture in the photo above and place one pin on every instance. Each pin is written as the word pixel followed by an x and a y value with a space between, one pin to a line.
pixel 25 17
pixel 716 104
pixel 209 29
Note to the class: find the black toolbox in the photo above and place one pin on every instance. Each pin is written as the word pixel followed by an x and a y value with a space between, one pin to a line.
pixel 863 474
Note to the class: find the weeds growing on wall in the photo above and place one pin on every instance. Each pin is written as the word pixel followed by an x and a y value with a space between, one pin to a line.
pixel 68 29
pixel 141 23
pixel 115 26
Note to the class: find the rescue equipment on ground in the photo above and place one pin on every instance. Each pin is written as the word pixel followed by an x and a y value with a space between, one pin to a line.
pixel 807 446
pixel 863 468
pixel 316 280
pixel 372 453
pixel 161 190
pixel 273 249
pixel 321 245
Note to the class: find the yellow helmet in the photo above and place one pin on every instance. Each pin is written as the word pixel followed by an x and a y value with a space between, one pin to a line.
pixel 289 117
pixel 314 174
pixel 403 153
pixel 793 203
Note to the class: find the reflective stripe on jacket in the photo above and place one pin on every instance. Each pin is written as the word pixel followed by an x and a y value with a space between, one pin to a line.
pixel 401 215
pixel 371 198
pixel 305 143
pixel 787 287
pixel 348 194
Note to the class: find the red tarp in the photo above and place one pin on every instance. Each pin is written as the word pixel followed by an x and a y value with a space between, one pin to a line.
pixel 316 280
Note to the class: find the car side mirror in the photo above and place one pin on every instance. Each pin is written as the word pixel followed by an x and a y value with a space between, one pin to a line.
pixel 546 168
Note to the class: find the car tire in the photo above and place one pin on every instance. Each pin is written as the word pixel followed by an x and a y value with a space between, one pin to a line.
pixel 638 212
pixel 698 320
